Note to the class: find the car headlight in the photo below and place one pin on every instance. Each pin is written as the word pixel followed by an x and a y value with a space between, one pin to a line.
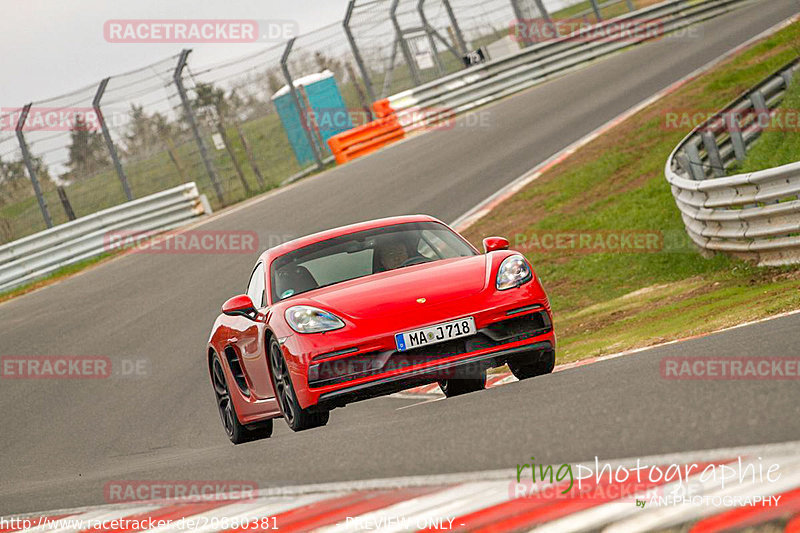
pixel 513 272
pixel 307 319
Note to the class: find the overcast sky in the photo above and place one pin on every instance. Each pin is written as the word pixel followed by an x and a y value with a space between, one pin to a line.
pixel 49 47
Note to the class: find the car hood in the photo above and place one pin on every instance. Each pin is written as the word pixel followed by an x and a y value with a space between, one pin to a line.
pixel 398 291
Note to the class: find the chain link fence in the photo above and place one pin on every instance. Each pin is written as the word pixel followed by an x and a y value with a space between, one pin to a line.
pixel 242 137
pixel 219 125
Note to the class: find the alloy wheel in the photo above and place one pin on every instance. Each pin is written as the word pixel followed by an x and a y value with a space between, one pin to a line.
pixel 283 387
pixel 223 397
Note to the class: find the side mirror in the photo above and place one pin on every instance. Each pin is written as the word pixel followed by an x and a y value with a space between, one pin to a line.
pixel 240 305
pixel 491 244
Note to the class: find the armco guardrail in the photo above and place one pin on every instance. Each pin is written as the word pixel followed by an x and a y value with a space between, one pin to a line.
pixel 37 255
pixel 443 98
pixel 754 216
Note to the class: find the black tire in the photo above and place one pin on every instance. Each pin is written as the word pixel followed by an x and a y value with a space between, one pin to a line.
pixel 525 368
pixel 464 385
pixel 237 433
pixel 296 417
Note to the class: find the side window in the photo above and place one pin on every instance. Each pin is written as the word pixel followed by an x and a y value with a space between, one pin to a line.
pixel 255 288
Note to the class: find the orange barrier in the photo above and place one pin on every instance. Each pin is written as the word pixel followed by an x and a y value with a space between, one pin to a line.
pixel 360 141
pixel 382 108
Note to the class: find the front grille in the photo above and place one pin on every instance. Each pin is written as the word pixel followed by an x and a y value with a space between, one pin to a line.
pixel 371 363
pixel 350 367
pixel 536 323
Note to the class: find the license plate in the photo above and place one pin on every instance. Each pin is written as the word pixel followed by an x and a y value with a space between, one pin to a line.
pixel 463 327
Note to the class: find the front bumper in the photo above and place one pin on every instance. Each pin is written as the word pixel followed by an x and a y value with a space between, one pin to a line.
pixel 421 376
pixel 521 326
pixel 330 370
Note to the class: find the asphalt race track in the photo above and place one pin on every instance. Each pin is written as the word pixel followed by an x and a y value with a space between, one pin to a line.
pixel 62 440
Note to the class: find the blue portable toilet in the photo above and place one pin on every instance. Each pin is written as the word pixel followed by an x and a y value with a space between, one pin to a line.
pixel 320 92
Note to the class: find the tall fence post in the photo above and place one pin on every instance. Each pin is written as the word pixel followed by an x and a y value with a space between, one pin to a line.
pixel 362 98
pixel 62 195
pixel 112 150
pixel 356 52
pixel 187 107
pixel 461 43
pixel 520 16
pixel 26 155
pixel 543 11
pixel 251 158
pixel 431 42
pixel 296 97
pixel 517 11
pixel 596 9
pixel 400 38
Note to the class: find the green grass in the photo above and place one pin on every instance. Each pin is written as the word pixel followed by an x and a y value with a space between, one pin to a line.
pixel 605 302
pixel 608 9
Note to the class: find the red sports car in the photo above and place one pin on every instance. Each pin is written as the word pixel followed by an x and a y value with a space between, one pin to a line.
pixel 370 309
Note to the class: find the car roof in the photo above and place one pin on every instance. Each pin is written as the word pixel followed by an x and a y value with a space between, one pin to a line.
pixel 301 242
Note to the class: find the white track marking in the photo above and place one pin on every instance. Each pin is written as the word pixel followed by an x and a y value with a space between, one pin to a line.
pixel 463 493
pixel 423 402
pixel 507 474
pixel 506 380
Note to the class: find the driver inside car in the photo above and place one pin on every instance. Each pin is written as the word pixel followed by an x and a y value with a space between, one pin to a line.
pixel 392 254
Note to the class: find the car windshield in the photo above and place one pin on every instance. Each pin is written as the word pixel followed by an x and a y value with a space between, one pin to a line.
pixel 362 254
